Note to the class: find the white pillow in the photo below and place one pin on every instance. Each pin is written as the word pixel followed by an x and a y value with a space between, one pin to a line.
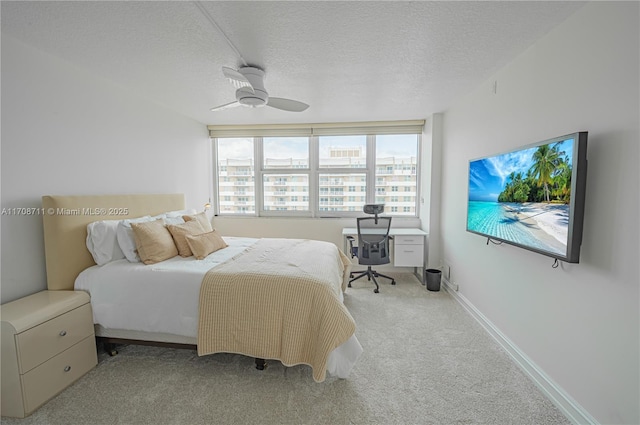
pixel 174 217
pixel 179 213
pixel 173 220
pixel 102 241
pixel 125 237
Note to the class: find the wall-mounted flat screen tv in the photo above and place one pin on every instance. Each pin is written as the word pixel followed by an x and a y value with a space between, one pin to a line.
pixel 532 197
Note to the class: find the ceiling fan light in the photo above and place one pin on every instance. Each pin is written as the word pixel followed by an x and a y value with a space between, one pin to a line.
pixel 252 99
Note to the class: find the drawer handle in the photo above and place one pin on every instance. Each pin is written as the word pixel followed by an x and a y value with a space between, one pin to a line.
pixel 67 368
pixel 63 333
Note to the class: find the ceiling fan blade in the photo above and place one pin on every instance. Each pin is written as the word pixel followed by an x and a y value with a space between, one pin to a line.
pixel 286 104
pixel 226 106
pixel 237 79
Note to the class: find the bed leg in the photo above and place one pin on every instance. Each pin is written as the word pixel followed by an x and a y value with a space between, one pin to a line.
pixel 261 364
pixel 110 348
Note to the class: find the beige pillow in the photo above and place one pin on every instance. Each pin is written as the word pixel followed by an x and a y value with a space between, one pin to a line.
pixel 202 219
pixel 154 242
pixel 179 233
pixel 206 243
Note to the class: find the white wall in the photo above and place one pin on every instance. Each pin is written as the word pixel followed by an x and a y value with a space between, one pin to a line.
pixel 65 131
pixel 578 323
pixel 430 188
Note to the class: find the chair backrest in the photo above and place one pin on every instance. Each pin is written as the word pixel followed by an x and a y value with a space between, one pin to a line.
pixel 373 240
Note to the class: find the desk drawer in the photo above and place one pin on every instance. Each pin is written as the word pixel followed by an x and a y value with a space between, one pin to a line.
pixel 408 255
pixel 39 344
pixel 408 240
pixel 51 377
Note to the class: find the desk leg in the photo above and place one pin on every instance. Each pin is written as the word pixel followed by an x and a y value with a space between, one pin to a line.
pixel 420 277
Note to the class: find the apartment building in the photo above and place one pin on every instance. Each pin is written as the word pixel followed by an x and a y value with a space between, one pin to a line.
pixel 395 184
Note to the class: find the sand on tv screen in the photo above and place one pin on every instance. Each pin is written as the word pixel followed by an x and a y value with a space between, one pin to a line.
pixel 524 197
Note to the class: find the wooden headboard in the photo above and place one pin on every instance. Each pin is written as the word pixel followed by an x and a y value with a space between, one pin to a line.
pixel 65 220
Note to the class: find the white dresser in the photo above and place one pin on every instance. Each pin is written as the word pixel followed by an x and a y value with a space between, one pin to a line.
pixel 48 343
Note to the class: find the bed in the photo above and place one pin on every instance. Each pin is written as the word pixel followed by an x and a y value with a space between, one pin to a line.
pixel 262 298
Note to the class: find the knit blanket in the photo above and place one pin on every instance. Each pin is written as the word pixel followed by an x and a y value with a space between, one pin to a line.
pixel 280 300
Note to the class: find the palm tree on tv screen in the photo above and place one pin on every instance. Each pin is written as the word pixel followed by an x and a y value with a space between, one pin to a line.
pixel 545 161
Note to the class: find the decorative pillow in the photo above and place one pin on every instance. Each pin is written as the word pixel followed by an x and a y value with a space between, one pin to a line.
pixel 102 241
pixel 179 233
pixel 202 219
pixel 125 238
pixel 205 243
pixel 154 241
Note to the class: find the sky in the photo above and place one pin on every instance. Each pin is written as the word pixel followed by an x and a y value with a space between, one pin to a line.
pixel 488 176
pixel 297 147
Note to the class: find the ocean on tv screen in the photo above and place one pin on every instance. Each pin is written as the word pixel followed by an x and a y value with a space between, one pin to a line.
pixel 536 225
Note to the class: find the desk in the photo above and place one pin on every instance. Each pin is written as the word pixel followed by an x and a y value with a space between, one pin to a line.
pixel 408 247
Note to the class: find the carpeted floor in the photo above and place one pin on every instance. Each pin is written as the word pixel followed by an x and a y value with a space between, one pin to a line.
pixel 425 361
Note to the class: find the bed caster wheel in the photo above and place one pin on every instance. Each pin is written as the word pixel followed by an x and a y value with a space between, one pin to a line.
pixel 110 349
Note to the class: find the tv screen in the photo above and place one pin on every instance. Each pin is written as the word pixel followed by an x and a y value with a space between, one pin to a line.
pixel 532 197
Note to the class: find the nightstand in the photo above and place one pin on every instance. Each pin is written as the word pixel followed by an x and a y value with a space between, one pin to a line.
pixel 48 342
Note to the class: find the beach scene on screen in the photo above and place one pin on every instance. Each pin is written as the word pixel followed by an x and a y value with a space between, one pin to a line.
pixel 523 196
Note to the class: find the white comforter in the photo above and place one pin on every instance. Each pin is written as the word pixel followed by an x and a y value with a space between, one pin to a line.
pixel 163 298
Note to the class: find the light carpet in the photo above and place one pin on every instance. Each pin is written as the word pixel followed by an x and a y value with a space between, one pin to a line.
pixel 425 361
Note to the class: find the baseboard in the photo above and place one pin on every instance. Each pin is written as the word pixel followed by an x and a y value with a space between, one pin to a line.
pixel 569 407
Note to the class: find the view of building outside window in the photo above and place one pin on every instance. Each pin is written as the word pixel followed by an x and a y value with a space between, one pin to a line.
pixel 286 192
pixel 236 181
pixel 343 151
pixel 396 173
pixel 342 190
pixel 342 174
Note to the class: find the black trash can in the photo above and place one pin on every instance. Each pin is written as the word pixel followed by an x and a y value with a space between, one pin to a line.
pixel 433 279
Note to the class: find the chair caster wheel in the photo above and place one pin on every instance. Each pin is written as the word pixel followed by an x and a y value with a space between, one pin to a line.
pixel 376 291
pixel 349 284
pixel 393 282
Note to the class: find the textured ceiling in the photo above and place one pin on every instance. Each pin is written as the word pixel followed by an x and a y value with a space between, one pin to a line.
pixel 351 61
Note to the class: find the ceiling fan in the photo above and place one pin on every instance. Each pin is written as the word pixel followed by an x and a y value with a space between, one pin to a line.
pixel 250 91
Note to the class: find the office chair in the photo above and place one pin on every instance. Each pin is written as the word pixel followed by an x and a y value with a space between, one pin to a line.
pixel 373 244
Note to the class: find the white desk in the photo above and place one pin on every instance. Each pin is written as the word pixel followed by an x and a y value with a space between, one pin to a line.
pixel 408 247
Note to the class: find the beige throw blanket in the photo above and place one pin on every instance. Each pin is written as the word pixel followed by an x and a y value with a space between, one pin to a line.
pixel 277 300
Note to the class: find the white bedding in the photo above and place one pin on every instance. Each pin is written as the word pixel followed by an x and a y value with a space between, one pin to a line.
pixel 163 298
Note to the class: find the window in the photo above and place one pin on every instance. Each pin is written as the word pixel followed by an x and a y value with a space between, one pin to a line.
pixel 315 175
pixel 236 176
pixel 396 166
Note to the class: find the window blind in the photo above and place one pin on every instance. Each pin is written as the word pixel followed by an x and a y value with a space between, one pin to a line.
pixel 323 129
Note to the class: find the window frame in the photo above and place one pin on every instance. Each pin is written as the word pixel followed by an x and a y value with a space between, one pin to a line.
pixel 313 172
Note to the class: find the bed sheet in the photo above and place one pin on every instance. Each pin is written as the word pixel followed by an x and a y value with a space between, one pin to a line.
pixel 161 297
pixel 164 297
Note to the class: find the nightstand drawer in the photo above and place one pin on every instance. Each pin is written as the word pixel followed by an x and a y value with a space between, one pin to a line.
pixel 51 377
pixel 44 341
